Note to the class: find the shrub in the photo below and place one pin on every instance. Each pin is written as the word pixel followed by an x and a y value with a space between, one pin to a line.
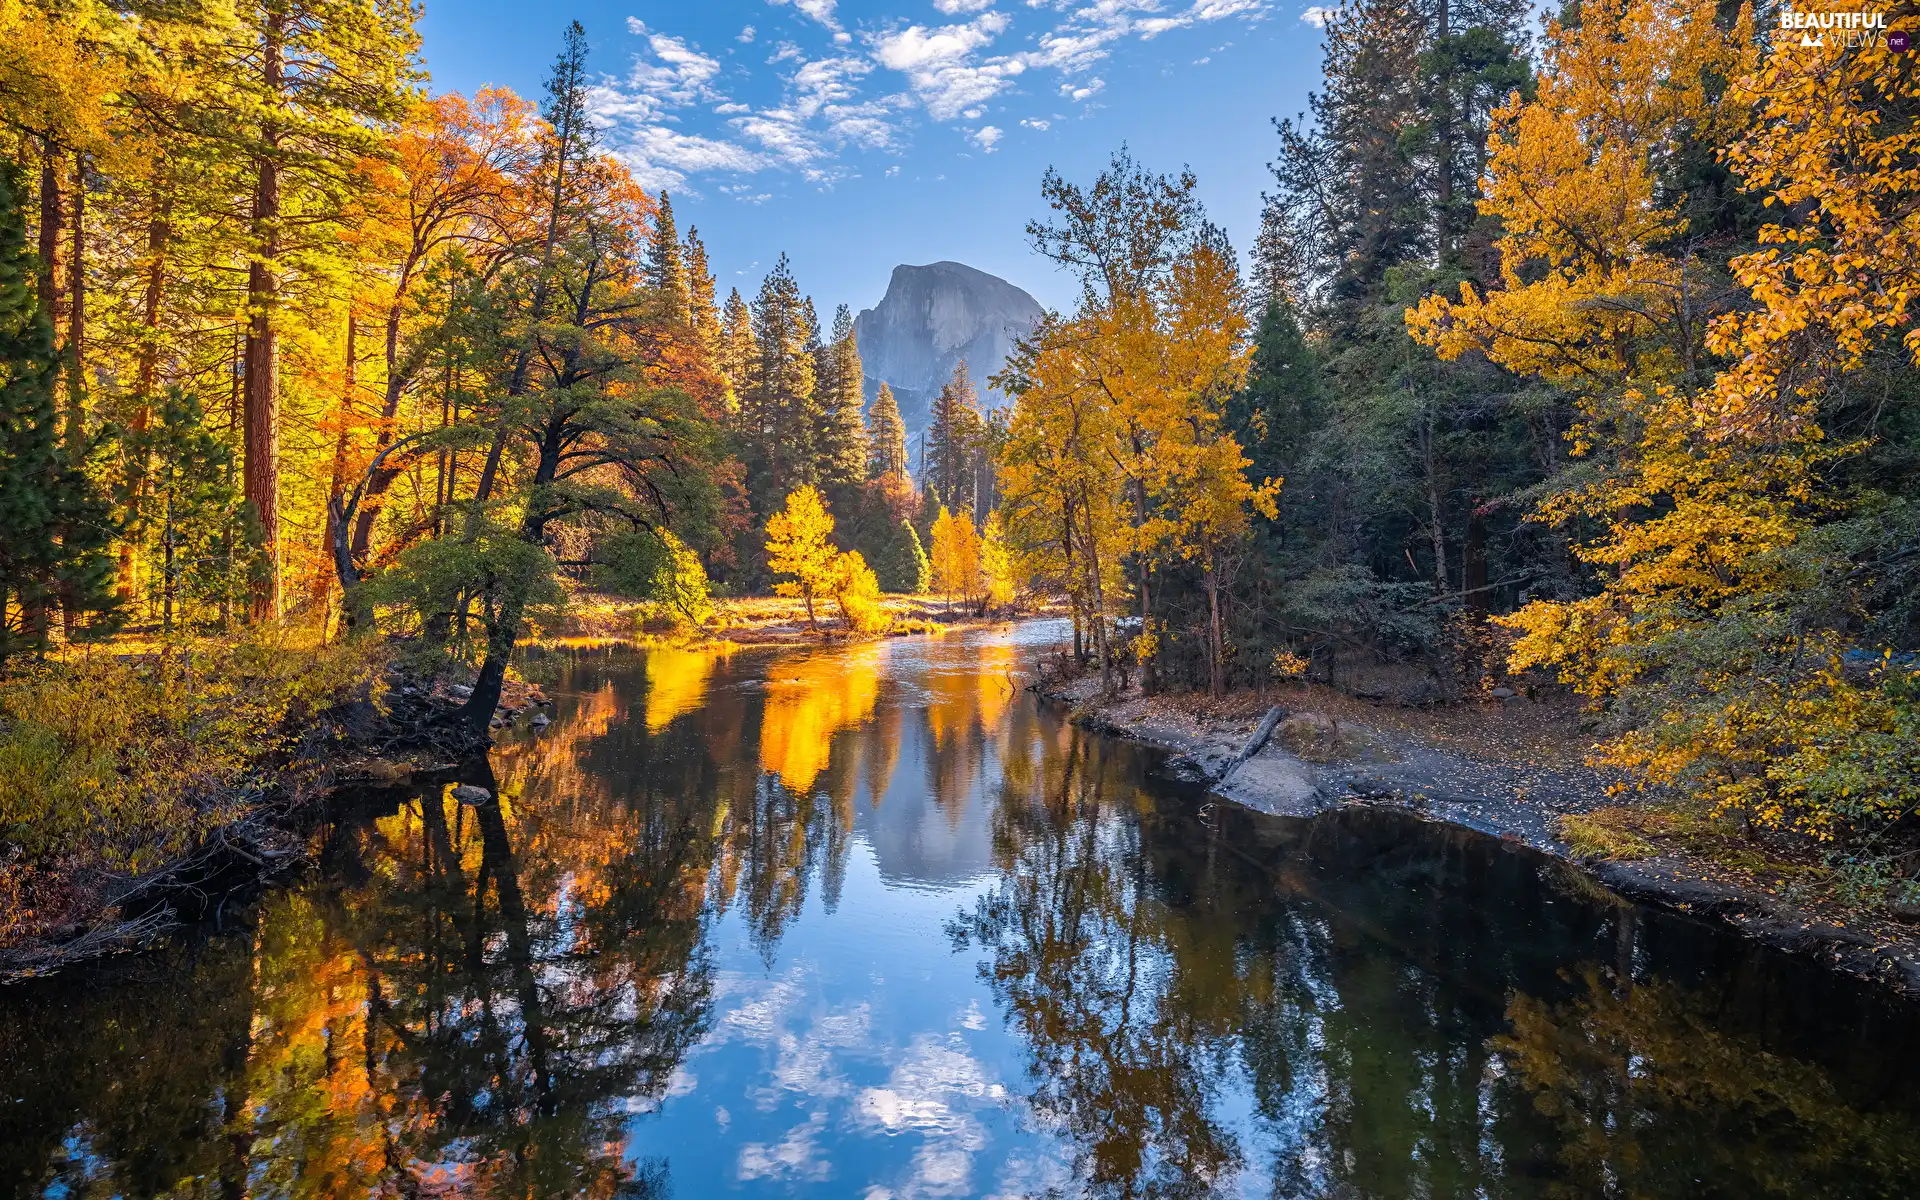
pixel 121 762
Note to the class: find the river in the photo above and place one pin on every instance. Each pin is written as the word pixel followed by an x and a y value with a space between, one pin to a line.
pixel 870 922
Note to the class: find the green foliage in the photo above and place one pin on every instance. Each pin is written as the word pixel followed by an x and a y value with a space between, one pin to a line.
pixel 188 511
pixel 120 762
pixel 54 528
pixel 903 565
pixel 440 582
pixel 642 564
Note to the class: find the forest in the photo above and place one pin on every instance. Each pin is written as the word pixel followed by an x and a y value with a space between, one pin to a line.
pixel 1579 358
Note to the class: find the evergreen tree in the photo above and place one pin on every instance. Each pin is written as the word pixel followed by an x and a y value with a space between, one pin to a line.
pixel 779 411
pixel 1350 199
pixel 954 442
pixel 1283 403
pixel 842 436
pixel 192 518
pixel 902 564
pixel 737 355
pixel 666 266
pixel 886 437
pixel 56 528
pixel 312 86
pixel 702 313
pixel 1399 467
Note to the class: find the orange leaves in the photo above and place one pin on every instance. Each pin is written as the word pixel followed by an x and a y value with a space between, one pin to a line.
pixel 1842 266
pixel 1590 292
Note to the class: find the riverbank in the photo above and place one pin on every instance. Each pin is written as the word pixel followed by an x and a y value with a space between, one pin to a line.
pixel 141 785
pixel 1509 768
pixel 756 621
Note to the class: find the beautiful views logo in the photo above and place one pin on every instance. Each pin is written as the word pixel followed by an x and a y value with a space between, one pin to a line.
pixel 1847 28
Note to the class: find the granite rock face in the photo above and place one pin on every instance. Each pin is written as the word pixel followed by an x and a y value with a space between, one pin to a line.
pixel 931 318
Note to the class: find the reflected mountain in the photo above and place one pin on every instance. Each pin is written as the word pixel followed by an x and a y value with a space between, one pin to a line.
pixel 868 921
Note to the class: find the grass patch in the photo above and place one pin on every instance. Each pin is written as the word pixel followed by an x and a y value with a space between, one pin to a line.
pixel 113 764
pixel 1612 832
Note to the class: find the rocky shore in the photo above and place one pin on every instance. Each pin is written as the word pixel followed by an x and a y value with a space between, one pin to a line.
pixel 1314 754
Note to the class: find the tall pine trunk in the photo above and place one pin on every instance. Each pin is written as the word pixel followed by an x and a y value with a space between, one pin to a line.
pixel 75 425
pixel 147 380
pixel 260 417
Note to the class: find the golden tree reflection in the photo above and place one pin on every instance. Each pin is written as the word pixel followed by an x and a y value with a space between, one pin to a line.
pixel 810 698
pixel 677 679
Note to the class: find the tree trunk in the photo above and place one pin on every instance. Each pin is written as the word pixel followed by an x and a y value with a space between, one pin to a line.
pixel 1099 598
pixel 75 430
pixel 1443 145
pixel 1435 523
pixel 53 216
pixel 337 484
pixel 261 404
pixel 1216 638
pixel 147 380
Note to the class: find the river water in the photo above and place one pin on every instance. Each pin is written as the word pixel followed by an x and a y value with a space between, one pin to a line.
pixel 869 922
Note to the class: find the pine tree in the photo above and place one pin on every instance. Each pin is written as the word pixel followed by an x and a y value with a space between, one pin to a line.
pixel 1350 189
pixel 779 411
pixel 842 435
pixel 190 511
pixel 902 564
pixel 666 266
pixel 314 83
pixel 702 313
pixel 56 528
pixel 737 355
pixel 954 441
pixel 1283 403
pixel 886 437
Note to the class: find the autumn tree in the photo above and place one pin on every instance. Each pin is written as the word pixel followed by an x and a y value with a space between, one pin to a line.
pixel 1731 524
pixel 798 545
pixel 955 556
pixel 315 82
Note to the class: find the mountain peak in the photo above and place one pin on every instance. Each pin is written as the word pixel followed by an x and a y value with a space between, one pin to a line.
pixel 934 316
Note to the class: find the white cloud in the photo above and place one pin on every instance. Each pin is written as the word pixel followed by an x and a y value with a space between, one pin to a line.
pixel 940 67
pixel 826 81
pixel 819 10
pixel 828 101
pixel 1318 17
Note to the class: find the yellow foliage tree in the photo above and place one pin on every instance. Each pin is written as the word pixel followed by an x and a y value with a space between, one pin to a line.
pixel 1710 492
pixel 956 556
pixel 797 545
pixel 997 565
pixel 1062 514
pixel 1591 293
pixel 856 590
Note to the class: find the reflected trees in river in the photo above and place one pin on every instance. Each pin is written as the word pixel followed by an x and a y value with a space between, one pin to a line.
pixel 482 999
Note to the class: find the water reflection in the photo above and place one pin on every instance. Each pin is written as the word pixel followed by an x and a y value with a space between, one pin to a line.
pixel 866 922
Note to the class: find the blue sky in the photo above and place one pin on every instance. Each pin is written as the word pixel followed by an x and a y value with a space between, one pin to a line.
pixel 857 134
